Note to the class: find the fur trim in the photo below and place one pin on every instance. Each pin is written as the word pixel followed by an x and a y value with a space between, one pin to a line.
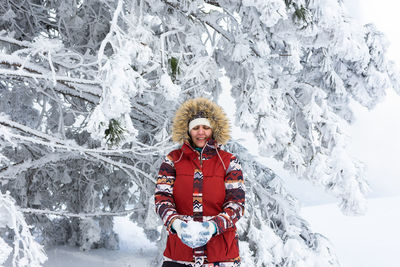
pixel 210 110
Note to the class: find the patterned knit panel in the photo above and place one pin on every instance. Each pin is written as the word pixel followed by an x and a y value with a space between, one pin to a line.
pixel 164 200
pixel 231 263
pixel 233 207
pixel 198 195
pixel 199 252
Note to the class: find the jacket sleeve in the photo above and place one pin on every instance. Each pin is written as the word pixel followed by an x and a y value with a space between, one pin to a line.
pixel 164 200
pixel 233 207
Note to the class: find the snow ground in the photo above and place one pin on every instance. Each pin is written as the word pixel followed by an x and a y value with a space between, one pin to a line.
pixel 372 240
pixel 73 257
pixel 135 251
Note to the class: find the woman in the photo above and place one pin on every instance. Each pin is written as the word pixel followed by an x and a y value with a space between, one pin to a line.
pixel 200 190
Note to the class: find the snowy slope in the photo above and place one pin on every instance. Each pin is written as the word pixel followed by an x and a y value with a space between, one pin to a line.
pixel 372 240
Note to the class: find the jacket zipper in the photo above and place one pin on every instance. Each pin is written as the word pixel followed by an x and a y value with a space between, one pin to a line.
pixel 201 156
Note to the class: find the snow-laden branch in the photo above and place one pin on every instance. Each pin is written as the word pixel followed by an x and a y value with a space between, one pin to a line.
pixel 14 41
pixel 19 68
pixel 125 167
pixel 20 73
pixel 113 28
pixel 70 145
pixel 204 19
pixel 53 141
pixel 67 147
pixel 81 215
pixel 163 36
pixel 11 172
pixel 66 89
pixel 26 251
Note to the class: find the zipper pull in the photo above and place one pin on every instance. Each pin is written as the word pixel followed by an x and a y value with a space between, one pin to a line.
pixel 201 155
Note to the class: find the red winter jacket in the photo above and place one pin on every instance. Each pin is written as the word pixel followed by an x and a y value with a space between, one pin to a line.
pixel 201 187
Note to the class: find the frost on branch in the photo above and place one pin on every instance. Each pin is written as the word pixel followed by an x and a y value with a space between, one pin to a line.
pixel 22 248
pixel 50 163
pixel 120 76
pixel 295 95
pixel 171 90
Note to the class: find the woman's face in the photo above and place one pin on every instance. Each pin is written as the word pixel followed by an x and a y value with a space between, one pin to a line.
pixel 200 134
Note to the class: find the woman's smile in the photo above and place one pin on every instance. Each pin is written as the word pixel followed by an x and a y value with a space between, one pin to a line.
pixel 200 134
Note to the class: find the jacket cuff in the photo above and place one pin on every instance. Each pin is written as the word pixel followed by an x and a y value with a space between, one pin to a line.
pixel 169 222
pixel 223 222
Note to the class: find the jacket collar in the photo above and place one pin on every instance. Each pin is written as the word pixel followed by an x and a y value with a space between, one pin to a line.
pixel 209 149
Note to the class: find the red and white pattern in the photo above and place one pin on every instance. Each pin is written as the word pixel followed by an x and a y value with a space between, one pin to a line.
pixel 215 264
pixel 198 195
pixel 165 206
pixel 233 207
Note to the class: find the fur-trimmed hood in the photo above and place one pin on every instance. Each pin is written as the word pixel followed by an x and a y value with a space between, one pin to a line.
pixel 210 110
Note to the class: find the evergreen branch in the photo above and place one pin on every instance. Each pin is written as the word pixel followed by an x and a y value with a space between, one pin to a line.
pixel 9 40
pixel 11 171
pixel 31 74
pixel 203 19
pixel 66 90
pixel 216 27
pixel 146 111
pixel 91 94
pixel 26 251
pixel 211 24
pixel 288 94
pixel 113 28
pixel 213 3
pixel 79 215
pixel 66 146
pixel 69 145
pixel 11 124
pixel 123 166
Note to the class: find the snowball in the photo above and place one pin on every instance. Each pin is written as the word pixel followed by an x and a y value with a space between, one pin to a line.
pixel 194 228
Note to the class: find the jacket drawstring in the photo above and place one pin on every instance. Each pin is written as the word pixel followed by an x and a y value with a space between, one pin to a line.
pixel 180 157
pixel 223 164
pixel 216 149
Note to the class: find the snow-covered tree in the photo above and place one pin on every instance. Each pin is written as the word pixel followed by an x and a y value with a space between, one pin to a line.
pixel 88 90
